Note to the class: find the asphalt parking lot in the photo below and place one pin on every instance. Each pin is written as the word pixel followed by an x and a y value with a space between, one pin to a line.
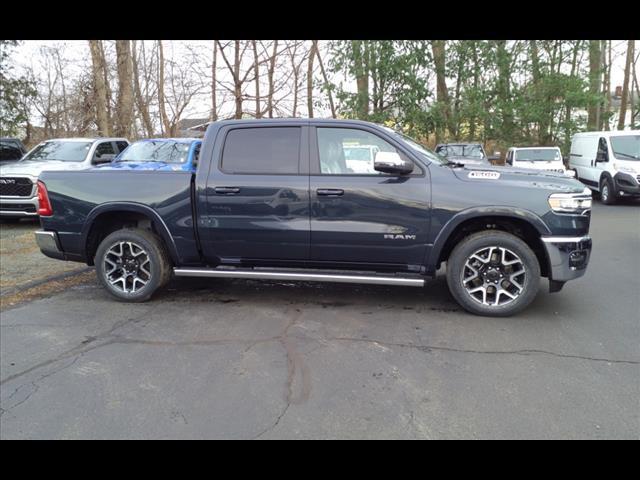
pixel 241 359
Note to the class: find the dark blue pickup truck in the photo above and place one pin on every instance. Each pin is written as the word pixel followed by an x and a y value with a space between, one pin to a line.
pixel 276 199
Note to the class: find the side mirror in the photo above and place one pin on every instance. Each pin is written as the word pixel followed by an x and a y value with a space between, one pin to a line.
pixel 391 162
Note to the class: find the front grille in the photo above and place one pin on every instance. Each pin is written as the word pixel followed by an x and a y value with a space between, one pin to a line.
pixel 16 186
pixel 18 207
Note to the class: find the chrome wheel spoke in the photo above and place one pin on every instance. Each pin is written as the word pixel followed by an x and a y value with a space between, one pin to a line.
pixel 127 267
pixel 493 276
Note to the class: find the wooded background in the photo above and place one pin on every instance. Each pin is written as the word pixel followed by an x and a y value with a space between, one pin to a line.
pixel 502 93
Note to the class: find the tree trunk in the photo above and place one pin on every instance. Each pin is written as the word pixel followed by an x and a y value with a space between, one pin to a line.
pixel 124 112
pixel 362 78
pixel 237 86
pixel 166 125
pixel 312 52
pixel 327 85
pixel 143 108
pixel 256 66
pixel 593 111
pixel 625 86
pixel 214 105
pixel 272 67
pixel 99 88
pixel 442 96
pixel 567 117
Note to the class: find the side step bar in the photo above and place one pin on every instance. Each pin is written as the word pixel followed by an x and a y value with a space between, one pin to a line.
pixel 306 276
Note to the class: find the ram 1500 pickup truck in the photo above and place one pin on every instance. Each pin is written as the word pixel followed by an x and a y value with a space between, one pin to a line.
pixel 275 199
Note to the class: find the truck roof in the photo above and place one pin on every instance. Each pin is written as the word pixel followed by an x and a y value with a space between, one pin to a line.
pixel 85 139
pixel 606 133
pixel 177 140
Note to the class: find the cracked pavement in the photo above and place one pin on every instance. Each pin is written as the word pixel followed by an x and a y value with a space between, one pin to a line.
pixel 246 359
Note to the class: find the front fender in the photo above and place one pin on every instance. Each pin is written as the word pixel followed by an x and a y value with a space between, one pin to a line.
pixel 479 212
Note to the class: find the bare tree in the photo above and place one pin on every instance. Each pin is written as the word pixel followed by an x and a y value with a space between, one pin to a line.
pixel 625 86
pixel 100 86
pixel 164 118
pixel 312 53
pixel 214 105
pixel 326 83
pixel 142 101
pixel 124 110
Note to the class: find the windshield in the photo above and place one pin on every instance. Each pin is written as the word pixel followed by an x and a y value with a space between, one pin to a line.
pixel 421 149
pixel 160 151
pixel 538 155
pixel 626 147
pixel 469 151
pixel 60 151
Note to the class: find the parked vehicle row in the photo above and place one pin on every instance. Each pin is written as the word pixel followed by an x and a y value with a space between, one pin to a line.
pixel 18 193
pixel 277 199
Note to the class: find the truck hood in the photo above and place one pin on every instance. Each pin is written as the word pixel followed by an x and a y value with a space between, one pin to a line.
pixel 142 166
pixel 525 177
pixel 35 168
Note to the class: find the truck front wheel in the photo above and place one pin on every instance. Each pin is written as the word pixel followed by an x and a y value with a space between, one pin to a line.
pixel 132 264
pixel 493 273
pixel 607 192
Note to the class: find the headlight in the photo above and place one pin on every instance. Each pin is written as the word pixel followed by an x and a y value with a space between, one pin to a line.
pixel 623 169
pixel 570 202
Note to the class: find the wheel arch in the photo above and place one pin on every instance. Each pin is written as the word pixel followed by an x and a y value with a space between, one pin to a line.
pixel 523 223
pixel 120 214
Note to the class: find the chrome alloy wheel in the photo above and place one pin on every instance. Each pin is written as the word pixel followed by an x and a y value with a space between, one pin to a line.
pixel 126 266
pixel 494 276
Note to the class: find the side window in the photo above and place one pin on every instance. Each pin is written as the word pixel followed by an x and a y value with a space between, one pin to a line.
pixel 265 150
pixel 603 153
pixel 104 148
pixel 349 151
pixel 121 146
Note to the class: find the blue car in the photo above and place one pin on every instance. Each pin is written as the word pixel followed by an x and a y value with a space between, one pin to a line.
pixel 168 154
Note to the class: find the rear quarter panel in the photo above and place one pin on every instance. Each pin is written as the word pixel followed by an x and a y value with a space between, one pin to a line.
pixel 78 197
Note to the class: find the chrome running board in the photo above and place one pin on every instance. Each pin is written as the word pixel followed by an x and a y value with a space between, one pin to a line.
pixel 306 276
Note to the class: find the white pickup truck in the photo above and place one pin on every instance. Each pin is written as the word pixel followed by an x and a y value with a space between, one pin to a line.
pixel 538 158
pixel 18 193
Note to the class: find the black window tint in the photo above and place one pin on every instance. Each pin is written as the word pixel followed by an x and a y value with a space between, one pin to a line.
pixel 122 145
pixel 105 148
pixel 9 151
pixel 273 150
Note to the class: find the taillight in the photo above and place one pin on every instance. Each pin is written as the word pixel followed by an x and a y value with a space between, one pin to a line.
pixel 44 205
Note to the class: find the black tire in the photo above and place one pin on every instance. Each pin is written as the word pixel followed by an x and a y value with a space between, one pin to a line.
pixel 159 264
pixel 607 191
pixel 527 260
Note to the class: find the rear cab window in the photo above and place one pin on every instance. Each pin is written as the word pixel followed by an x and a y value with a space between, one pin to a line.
pixel 262 151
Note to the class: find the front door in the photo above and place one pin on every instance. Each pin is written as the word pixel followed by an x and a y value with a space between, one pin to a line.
pixel 365 217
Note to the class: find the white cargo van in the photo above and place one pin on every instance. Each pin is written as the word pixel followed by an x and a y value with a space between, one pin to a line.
pixel 608 162
pixel 538 158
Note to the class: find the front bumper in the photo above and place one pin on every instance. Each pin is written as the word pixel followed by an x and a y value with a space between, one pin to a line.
pixel 627 184
pixel 19 207
pixel 568 257
pixel 49 244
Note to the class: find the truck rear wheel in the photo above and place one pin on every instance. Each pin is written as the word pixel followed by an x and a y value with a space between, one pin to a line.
pixel 132 264
pixel 493 273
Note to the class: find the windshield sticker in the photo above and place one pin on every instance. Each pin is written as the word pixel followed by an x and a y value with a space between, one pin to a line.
pixel 485 175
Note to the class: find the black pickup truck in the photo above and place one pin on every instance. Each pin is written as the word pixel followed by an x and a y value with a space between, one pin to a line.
pixel 276 199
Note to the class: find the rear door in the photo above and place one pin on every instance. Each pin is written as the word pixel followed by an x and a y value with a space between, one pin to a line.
pixel 258 195
pixel 360 219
